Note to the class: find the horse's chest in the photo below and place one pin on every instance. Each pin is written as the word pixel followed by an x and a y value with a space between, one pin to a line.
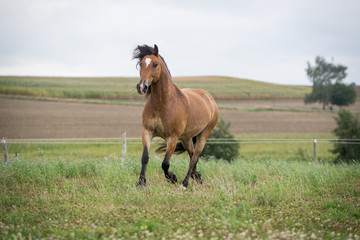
pixel 153 124
pixel 161 126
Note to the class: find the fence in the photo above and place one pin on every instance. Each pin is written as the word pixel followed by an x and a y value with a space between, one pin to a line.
pixel 130 141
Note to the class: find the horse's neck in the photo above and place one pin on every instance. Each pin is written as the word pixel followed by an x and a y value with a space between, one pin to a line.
pixel 164 90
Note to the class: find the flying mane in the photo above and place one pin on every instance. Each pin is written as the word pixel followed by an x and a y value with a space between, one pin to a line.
pixel 141 51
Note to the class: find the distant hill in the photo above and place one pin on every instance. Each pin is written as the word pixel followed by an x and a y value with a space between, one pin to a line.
pixel 125 88
pixel 238 88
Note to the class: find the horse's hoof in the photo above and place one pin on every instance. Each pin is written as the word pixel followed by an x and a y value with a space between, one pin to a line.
pixel 172 178
pixel 182 187
pixel 142 183
pixel 199 180
pixel 197 177
pixel 140 186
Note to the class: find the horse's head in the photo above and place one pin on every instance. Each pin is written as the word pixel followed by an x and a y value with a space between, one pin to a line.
pixel 150 67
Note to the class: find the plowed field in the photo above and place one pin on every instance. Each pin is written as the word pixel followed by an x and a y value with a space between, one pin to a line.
pixel 29 119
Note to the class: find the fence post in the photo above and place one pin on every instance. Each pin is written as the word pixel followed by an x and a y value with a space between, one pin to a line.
pixel 124 144
pixel 5 150
pixel 315 152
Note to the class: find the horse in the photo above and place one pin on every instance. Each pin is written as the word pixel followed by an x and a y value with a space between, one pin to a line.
pixel 184 118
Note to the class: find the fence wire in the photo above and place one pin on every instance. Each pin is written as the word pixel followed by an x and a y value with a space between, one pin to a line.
pixel 135 141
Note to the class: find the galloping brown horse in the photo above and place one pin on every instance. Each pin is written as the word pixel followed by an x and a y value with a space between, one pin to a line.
pixel 185 115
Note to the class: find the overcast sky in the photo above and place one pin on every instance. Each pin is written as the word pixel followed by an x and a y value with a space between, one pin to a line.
pixel 268 41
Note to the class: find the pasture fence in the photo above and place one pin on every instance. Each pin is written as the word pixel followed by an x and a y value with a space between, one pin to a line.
pixel 124 144
pixel 5 150
pixel 124 141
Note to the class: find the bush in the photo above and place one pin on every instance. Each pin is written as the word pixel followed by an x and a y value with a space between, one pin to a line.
pixel 348 128
pixel 343 95
pixel 224 151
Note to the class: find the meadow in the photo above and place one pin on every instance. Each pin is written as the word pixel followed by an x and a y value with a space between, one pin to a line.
pixel 87 190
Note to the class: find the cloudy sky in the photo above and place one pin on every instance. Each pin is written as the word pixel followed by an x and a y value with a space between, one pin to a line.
pixel 262 40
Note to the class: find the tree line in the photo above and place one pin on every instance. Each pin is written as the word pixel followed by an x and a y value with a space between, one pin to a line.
pixel 328 87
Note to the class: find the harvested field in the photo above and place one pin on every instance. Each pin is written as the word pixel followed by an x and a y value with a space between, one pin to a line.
pixel 292 104
pixel 29 119
pixel 278 122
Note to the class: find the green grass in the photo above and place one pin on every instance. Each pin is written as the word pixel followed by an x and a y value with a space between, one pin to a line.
pixel 87 191
pixel 253 146
pixel 276 146
pixel 105 90
pixel 67 87
pixel 235 88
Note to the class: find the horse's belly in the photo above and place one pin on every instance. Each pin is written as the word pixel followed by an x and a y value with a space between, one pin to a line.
pixel 196 124
pixel 201 112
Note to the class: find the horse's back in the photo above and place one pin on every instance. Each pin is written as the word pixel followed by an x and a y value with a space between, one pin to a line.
pixel 202 104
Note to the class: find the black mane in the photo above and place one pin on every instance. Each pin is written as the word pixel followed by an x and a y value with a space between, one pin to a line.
pixel 141 51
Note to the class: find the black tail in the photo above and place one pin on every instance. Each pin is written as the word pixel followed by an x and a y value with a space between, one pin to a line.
pixel 178 150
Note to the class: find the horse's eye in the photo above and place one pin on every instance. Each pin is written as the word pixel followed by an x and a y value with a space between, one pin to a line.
pixel 155 65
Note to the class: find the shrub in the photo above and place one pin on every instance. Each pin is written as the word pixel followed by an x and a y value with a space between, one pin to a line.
pixel 348 127
pixel 226 151
pixel 343 95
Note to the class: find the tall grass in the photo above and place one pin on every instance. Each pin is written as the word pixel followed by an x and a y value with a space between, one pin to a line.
pixel 94 196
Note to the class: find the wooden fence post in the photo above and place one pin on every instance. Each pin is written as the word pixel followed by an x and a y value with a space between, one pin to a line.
pixel 5 150
pixel 124 144
pixel 315 152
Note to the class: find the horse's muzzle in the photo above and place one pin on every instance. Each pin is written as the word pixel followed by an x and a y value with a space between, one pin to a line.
pixel 142 87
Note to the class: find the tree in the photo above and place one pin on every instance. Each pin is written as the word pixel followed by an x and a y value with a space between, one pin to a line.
pixel 226 151
pixel 343 95
pixel 322 75
pixel 348 127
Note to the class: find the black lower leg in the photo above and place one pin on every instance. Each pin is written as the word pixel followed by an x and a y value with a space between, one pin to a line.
pixel 197 177
pixel 144 162
pixel 185 183
pixel 192 171
pixel 165 166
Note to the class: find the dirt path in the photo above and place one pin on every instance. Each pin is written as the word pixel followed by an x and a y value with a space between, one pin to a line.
pixel 28 119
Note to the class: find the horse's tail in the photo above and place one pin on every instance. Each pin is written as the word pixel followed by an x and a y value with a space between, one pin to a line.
pixel 178 150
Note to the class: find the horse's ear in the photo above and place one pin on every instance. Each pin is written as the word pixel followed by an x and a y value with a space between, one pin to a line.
pixel 156 50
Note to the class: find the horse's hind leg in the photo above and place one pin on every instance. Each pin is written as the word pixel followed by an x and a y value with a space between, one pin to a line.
pixel 199 146
pixel 170 148
pixel 196 176
pixel 189 146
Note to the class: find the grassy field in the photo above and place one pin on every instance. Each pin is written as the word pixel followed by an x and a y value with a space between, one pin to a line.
pixel 112 89
pixel 253 146
pixel 87 191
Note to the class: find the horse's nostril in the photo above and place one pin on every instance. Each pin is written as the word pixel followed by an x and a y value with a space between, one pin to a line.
pixel 138 88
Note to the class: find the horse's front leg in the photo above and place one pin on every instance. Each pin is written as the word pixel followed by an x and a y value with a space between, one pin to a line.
pixel 170 148
pixel 146 139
